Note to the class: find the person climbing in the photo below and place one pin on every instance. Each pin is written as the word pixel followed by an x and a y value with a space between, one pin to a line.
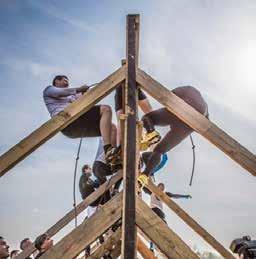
pixel 157 205
pixel 88 183
pixel 95 122
pixel 145 106
pixel 101 169
pixel 178 129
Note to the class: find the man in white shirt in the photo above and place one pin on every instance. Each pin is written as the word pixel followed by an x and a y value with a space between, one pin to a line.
pixel 157 205
pixel 95 122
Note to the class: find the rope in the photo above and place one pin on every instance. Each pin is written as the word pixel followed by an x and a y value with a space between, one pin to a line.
pixel 194 159
pixel 74 182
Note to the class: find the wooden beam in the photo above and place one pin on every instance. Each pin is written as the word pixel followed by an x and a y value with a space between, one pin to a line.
pixel 198 122
pixel 117 250
pixel 190 221
pixel 166 240
pixel 73 243
pixel 129 154
pixel 60 121
pixel 143 250
pixel 71 214
pixel 108 245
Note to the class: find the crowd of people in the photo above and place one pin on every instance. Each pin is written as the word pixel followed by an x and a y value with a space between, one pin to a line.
pixel 97 122
pixel 42 244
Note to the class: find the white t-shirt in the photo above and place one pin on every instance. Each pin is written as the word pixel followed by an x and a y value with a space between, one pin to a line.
pixel 155 202
pixel 57 99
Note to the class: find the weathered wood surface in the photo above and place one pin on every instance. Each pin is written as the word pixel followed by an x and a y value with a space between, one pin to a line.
pixel 117 250
pixel 190 221
pixel 60 121
pixel 73 243
pixel 144 250
pixel 71 214
pixel 129 145
pixel 198 122
pixel 106 246
pixel 166 240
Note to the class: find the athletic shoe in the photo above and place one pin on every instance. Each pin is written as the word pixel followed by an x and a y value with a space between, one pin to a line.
pixel 149 139
pixel 113 154
pixel 142 180
pixel 116 166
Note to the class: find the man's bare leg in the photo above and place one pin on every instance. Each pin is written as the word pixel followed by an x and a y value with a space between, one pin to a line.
pixel 106 123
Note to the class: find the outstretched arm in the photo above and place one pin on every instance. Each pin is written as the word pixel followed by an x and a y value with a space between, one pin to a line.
pixel 56 92
pixel 173 195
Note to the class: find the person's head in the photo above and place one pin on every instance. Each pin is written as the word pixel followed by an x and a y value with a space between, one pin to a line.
pixel 60 81
pixel 4 249
pixel 25 243
pixel 161 186
pixel 43 243
pixel 14 253
pixel 86 169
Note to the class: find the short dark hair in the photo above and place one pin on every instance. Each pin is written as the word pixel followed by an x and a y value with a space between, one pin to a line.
pixel 40 240
pixel 58 77
pixel 161 184
pixel 85 167
pixel 22 242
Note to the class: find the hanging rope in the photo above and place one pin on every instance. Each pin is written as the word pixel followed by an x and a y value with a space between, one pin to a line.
pixel 74 182
pixel 194 159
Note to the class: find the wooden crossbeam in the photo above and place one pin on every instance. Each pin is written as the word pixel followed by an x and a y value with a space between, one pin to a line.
pixel 60 121
pixel 73 243
pixel 129 144
pixel 190 221
pixel 143 250
pixel 107 245
pixel 72 213
pixel 166 240
pixel 198 122
pixel 117 250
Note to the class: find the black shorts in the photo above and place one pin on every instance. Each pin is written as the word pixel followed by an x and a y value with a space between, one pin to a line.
pixel 119 97
pixel 87 125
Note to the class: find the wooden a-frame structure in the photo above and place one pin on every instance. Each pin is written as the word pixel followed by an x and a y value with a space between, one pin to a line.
pixel 127 205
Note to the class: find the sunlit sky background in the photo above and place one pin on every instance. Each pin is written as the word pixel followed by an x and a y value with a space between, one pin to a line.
pixel 208 44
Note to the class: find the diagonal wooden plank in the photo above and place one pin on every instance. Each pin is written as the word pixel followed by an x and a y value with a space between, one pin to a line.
pixel 107 245
pixel 60 121
pixel 129 144
pixel 116 252
pixel 71 214
pixel 73 243
pixel 166 240
pixel 198 122
pixel 143 250
pixel 190 221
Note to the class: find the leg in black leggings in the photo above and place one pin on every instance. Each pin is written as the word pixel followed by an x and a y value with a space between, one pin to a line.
pixel 101 171
pixel 178 129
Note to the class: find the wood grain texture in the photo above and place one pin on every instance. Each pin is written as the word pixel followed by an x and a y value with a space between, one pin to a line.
pixel 73 243
pixel 166 240
pixel 71 214
pixel 190 221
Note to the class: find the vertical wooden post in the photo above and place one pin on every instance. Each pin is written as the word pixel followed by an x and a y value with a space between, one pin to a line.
pixel 129 143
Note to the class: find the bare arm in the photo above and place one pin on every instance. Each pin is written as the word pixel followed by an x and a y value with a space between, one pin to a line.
pixel 173 195
pixel 56 92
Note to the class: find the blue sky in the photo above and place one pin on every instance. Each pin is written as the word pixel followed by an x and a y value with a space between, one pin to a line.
pixel 209 44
